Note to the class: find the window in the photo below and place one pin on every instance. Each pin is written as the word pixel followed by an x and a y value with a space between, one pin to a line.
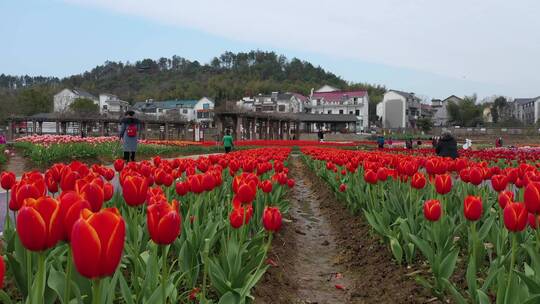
pixel 281 108
pixel 357 112
pixel 340 111
pixel 206 106
pixel 329 112
pixel 350 112
pixel 184 111
pixel 104 107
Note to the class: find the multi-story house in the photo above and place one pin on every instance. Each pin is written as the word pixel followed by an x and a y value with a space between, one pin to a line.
pixel 329 100
pixel 64 98
pixel 399 110
pixel 111 104
pixel 200 111
pixel 276 102
pixel 440 116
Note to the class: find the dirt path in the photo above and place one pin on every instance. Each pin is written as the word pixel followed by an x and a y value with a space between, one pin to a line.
pixel 17 164
pixel 323 246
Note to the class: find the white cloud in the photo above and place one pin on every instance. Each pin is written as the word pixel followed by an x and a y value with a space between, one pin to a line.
pixel 486 41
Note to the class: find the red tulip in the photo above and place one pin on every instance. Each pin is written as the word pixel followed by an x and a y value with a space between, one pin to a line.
pixel 342 188
pixel 93 193
pixel 476 176
pixel 370 176
pixel 134 190
pixel 71 205
pixel 382 174
pixel 208 182
pixel 163 222
pixel 266 186
pixel 515 217
pixel 38 223
pixel 418 181
pixel 119 165
pixel 272 219
pixel 505 197
pixel 432 210
pixel 531 197
pixel 7 180
pixel 182 188
pixel 499 182
pixel 534 220
pixel 472 208
pixel 236 218
pixel 97 242
pixel 69 178
pixel 108 192
pixel 290 182
pixel 21 192
pixel 443 183
pixel 246 193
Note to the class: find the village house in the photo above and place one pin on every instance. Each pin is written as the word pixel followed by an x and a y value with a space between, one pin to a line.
pixel 200 111
pixel 63 99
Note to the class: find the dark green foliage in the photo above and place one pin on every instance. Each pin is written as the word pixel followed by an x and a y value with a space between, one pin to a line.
pixel 227 77
pixel 84 106
pixel 465 113
pixel 425 124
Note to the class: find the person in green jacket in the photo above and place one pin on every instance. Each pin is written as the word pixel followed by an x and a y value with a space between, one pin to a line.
pixel 228 142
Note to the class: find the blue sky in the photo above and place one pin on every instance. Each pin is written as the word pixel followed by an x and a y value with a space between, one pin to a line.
pixel 438 49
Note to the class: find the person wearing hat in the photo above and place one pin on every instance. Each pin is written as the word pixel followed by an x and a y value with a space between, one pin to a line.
pixel 447 146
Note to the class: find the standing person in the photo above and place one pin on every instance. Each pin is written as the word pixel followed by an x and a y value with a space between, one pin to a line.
pixel 380 142
pixel 498 142
pixel 228 141
pixel 434 142
pixel 390 142
pixel 447 146
pixel 129 134
pixel 409 143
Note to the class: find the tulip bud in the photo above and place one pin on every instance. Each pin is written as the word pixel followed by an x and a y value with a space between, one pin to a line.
pixel 432 210
pixel 272 219
pixel 472 208
pixel 515 217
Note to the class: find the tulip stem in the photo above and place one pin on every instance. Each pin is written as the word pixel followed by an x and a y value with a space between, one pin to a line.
pixel 7 210
pixel 164 273
pixel 69 269
pixel 96 292
pixel 28 273
pixel 511 269
pixel 206 262
pixel 40 278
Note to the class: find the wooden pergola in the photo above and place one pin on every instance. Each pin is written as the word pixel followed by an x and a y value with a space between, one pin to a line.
pixel 104 124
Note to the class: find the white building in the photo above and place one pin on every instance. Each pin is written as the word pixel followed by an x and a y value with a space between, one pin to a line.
pixel 64 98
pixel 440 117
pixel 109 103
pixel 399 109
pixel 329 100
pixel 201 111
pixel 275 102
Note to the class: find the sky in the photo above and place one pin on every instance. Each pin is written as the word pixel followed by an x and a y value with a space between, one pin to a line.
pixel 434 48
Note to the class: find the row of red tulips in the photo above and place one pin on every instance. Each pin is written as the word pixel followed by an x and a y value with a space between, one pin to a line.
pixel 173 231
pixel 480 216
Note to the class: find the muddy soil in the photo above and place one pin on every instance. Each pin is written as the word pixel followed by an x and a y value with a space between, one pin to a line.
pixel 324 249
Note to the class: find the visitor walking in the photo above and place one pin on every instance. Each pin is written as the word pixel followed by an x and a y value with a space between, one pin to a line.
pixel 447 146
pixel 434 142
pixel 228 141
pixel 129 134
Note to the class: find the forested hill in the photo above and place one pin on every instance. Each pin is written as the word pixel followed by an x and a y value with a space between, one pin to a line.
pixel 227 77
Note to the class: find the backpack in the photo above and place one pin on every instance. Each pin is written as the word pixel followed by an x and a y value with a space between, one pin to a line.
pixel 131 130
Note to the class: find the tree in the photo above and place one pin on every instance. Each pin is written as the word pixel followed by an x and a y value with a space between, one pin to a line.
pixel 465 112
pixel 498 105
pixel 425 124
pixel 32 101
pixel 84 106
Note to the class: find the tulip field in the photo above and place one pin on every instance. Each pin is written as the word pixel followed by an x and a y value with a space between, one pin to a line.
pixel 201 230
pixel 469 224
pixel 159 231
